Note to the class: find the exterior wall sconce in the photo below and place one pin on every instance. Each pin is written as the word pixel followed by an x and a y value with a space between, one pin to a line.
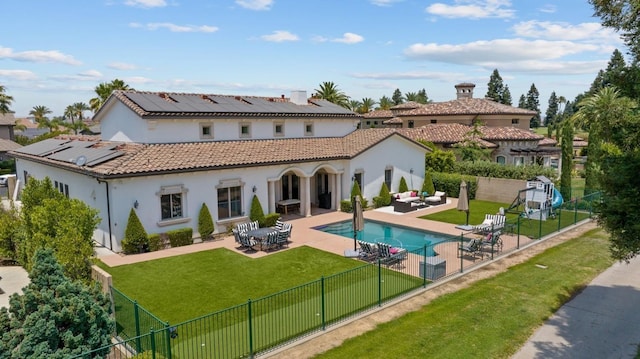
pixel 136 204
pixel 411 171
pixel 254 189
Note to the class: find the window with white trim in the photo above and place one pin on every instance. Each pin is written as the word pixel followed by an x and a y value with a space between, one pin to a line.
pixel 308 128
pixel 245 130
pixel 229 199
pixel 388 175
pixel 518 160
pixel 501 160
pixel 278 129
pixel 172 202
pixel 206 131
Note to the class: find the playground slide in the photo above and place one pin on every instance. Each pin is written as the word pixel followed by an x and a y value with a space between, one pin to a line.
pixel 556 200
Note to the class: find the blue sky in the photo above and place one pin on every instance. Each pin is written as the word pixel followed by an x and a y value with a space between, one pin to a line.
pixel 54 53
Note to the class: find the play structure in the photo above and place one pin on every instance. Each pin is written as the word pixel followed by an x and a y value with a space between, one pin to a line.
pixel 538 201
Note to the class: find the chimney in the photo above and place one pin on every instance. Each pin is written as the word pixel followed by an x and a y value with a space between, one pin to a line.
pixel 299 97
pixel 464 90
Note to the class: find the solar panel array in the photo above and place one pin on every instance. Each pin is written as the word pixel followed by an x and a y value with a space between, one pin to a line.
pixel 70 151
pixel 193 103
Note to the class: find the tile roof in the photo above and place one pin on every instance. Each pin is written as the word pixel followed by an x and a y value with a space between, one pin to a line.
pixel 8 145
pixel 7 119
pixel 144 159
pixel 187 105
pixel 407 105
pixel 455 132
pixel 466 106
pixel 378 114
pixel 27 123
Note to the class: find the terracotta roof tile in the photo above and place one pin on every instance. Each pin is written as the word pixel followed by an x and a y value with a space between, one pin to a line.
pixel 466 106
pixel 7 119
pixel 378 114
pixel 8 145
pixel 407 105
pixel 454 133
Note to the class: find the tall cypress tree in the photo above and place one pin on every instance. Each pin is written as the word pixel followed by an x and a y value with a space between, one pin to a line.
pixel 567 159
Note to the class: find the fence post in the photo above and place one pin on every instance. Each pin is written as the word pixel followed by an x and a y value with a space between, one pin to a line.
pixel 575 212
pixel 167 334
pixel 153 343
pixel 518 236
pixel 379 283
pixel 539 224
pixel 137 320
pixel 249 322
pixel 559 218
pixel 324 327
pixel 460 252
pixel 424 267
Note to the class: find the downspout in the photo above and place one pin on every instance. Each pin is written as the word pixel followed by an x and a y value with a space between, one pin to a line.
pixel 108 212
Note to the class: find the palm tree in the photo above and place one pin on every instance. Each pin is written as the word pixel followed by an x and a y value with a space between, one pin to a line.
pixel 411 96
pixel 385 103
pixel 40 115
pixel 104 90
pixel 330 92
pixel 5 101
pixel 354 105
pixel 367 105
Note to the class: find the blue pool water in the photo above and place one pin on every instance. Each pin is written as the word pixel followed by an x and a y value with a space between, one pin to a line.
pixel 396 236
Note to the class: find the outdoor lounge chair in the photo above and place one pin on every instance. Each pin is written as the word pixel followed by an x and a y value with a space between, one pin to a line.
pixel 491 223
pixel 368 251
pixel 492 241
pixel 391 256
pixel 472 247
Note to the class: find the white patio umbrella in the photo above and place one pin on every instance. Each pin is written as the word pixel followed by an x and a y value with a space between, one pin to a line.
pixel 463 200
pixel 358 220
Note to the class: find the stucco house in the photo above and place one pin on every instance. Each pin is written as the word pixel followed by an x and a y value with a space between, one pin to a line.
pixel 165 154
pixel 7 136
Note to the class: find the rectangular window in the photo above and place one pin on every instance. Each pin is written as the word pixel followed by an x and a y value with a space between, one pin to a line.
pixel 388 174
pixel 515 121
pixel 206 130
pixel 518 161
pixel 278 129
pixel 245 130
pixel 434 121
pixel 66 190
pixel 410 124
pixel 229 202
pixel 308 129
pixel 171 205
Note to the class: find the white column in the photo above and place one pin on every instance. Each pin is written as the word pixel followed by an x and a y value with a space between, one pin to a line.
pixel 332 185
pixel 338 195
pixel 307 197
pixel 272 197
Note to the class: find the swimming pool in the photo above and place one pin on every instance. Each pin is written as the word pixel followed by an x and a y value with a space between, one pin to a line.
pixel 396 236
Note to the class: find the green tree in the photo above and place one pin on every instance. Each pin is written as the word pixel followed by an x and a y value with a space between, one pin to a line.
pixel 552 109
pixel 40 113
pixel 385 103
pixel 10 232
pixel 55 317
pixel 384 195
pixel 422 97
pixel 5 101
pixel 397 97
pixel 330 92
pixel 104 90
pixel 354 105
pixel 135 239
pixel 427 185
pixel 402 187
pixel 495 87
pixel 367 105
pixel 622 16
pixel 470 148
pixel 506 96
pixel 355 190
pixel 205 222
pixel 522 102
pixel 533 104
pixel 439 160
pixel 257 214
pixel 75 114
pixel 567 159
pixel 411 97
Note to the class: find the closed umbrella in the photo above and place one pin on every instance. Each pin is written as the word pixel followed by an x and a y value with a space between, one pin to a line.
pixel 358 220
pixel 463 200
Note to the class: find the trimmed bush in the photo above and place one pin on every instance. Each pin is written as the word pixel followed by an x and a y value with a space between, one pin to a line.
pixel 450 184
pixel 135 238
pixel 346 206
pixel 205 222
pixel 257 214
pixel 496 170
pixel 270 220
pixel 427 185
pixel 384 197
pixel 180 237
pixel 355 190
pixel 403 185
pixel 155 242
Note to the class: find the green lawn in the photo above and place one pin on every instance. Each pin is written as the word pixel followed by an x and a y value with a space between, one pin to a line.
pixel 494 317
pixel 179 288
pixel 477 211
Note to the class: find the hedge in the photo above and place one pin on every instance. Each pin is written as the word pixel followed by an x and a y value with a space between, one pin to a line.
pixel 450 184
pixel 180 237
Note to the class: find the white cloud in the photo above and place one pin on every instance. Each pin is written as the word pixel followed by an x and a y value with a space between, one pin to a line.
pixel 146 3
pixel 349 38
pixel 121 66
pixel 255 4
pixel 280 36
pixel 91 74
pixel 319 38
pixel 588 31
pixel 548 8
pixel 384 2
pixel 173 27
pixel 38 56
pixel 408 75
pixel 473 9
pixel 18 74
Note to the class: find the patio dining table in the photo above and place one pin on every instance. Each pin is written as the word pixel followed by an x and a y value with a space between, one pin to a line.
pixel 260 234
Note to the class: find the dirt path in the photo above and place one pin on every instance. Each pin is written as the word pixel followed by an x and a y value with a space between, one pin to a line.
pixel 334 337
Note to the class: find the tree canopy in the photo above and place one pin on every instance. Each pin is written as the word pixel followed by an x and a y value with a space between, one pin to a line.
pixel 5 101
pixel 329 91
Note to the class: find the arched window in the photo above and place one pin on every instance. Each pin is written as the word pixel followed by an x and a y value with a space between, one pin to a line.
pixel 501 160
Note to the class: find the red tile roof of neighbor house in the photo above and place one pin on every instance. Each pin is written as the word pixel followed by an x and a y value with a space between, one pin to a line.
pixel 455 133
pixel 188 105
pixel 464 106
pixel 144 159
pixel 8 145
pixel 378 114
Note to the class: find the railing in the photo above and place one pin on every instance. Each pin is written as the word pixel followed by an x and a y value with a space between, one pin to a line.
pixel 266 323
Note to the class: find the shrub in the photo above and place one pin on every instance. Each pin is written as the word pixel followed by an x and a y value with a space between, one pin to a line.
pixel 257 214
pixel 427 185
pixel 355 190
pixel 439 160
pixel 270 220
pixel 403 185
pixel 205 222
pixel 135 238
pixel 384 198
pixel 346 206
pixel 450 184
pixel 155 242
pixel 496 170
pixel 180 237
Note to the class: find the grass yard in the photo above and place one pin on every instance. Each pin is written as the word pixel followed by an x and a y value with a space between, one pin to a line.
pixel 494 317
pixel 179 288
pixel 477 210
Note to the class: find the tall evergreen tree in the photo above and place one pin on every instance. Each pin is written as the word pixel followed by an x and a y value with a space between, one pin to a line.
pixel 422 97
pixel 522 102
pixel 506 96
pixel 567 159
pixel 495 87
pixel 397 97
pixel 552 110
pixel 533 104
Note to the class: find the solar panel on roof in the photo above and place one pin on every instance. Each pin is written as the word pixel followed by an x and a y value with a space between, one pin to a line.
pixel 105 158
pixel 45 147
pixel 92 156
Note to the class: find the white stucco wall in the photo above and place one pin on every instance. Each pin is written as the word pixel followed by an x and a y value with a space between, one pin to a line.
pixel 122 124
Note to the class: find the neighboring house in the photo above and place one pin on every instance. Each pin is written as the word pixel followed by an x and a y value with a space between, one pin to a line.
pixel 509 145
pixel 165 154
pixel 7 136
pixel 29 128
pixel 464 110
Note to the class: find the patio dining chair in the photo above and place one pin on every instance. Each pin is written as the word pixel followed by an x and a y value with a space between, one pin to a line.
pixel 283 237
pixel 270 242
